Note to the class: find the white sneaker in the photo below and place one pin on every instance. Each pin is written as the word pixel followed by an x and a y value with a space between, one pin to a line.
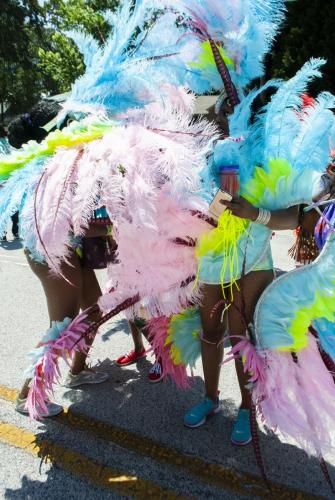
pixel 53 409
pixel 86 376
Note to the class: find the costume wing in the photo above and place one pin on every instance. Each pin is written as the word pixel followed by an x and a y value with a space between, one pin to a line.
pixel 296 300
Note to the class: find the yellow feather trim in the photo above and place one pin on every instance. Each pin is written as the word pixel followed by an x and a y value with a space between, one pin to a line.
pixel 76 133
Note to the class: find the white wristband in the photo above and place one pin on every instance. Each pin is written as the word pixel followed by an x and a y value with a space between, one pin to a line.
pixel 264 217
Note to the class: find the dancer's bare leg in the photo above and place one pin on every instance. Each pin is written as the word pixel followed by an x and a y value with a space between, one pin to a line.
pixel 91 292
pixel 213 329
pixel 136 333
pixel 240 314
pixel 138 330
pixel 212 341
pixel 63 298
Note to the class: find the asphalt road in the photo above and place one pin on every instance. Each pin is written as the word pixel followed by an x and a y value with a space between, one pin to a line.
pixel 125 438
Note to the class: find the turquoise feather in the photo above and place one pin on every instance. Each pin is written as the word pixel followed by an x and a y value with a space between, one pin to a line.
pixel 184 335
pixel 292 292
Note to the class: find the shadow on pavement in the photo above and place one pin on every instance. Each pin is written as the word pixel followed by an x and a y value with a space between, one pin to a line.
pixel 128 401
pixel 11 245
pixel 119 325
pixel 55 485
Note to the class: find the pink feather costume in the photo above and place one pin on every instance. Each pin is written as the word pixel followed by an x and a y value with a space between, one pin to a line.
pixel 144 172
pixel 146 167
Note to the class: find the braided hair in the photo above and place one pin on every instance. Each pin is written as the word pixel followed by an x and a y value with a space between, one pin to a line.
pixel 29 125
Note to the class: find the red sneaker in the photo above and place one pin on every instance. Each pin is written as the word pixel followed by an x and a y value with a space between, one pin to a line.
pixel 156 371
pixel 130 357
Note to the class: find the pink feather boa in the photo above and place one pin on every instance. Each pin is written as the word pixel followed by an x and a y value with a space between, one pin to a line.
pixel 53 207
pixel 161 262
pixel 253 363
pixel 125 171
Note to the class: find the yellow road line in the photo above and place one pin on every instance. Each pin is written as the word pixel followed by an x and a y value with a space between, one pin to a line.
pixel 212 473
pixel 83 466
pixel 7 393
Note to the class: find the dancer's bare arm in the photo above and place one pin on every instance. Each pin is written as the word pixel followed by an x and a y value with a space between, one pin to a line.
pixel 280 219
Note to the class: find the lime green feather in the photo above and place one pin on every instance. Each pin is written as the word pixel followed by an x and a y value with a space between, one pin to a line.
pixel 223 240
pixel 206 57
pixel 265 180
pixel 76 133
pixel 321 307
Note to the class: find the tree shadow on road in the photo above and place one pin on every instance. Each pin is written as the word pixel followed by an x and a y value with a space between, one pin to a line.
pixel 128 402
pixel 56 484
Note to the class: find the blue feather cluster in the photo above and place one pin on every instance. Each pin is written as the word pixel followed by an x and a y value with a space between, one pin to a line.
pixel 284 129
pixel 16 195
pixel 150 46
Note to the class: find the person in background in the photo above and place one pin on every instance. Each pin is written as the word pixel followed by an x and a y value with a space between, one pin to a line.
pixel 5 149
pixel 138 328
pixel 30 126
pixel 65 297
pixel 4 144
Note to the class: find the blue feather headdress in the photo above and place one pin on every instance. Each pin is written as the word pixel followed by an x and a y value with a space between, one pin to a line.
pixel 285 150
pixel 243 30
pixel 296 142
pixel 153 42
pixel 121 73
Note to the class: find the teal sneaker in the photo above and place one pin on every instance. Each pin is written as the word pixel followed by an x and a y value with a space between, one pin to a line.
pixel 197 415
pixel 241 434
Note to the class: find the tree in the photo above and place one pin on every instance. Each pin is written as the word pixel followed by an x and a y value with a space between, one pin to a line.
pixel 36 56
pixel 61 62
pixel 308 32
pixel 80 14
pixel 21 30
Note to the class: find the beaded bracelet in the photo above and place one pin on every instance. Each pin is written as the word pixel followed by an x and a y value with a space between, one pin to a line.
pixel 264 217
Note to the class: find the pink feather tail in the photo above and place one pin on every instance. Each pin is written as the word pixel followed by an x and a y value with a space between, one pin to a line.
pixel 47 371
pixel 254 365
pixel 157 335
pixel 72 339
pixel 225 75
pixel 252 362
pixel 200 28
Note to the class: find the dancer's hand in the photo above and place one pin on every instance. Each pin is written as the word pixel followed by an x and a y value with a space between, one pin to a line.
pixel 240 207
pixel 326 187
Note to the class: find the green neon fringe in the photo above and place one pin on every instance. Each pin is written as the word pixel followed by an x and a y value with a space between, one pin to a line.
pixel 223 240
